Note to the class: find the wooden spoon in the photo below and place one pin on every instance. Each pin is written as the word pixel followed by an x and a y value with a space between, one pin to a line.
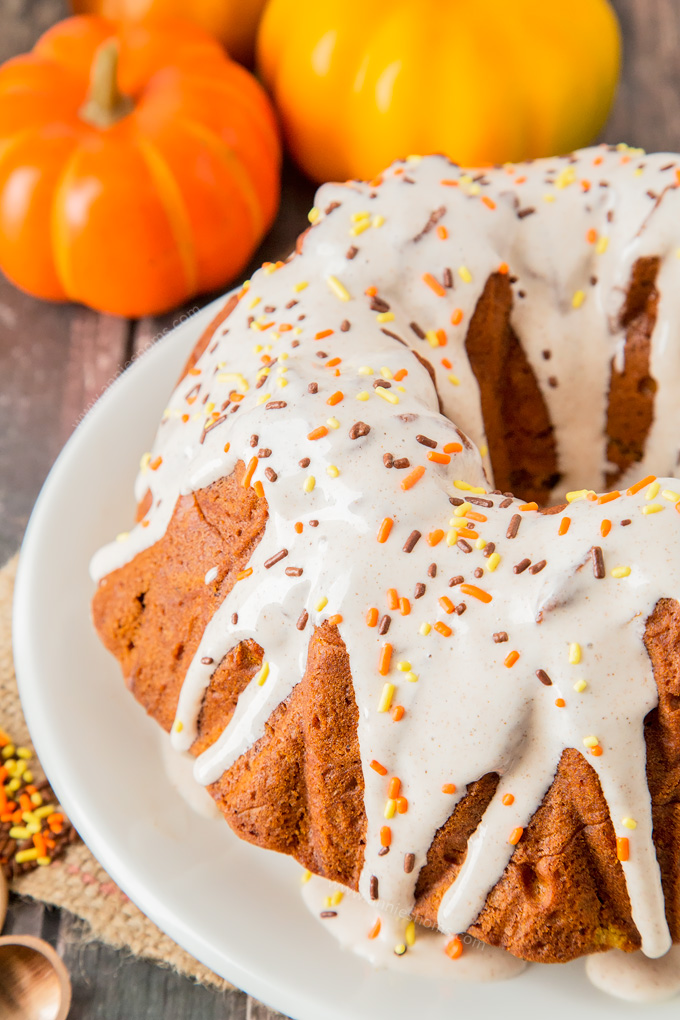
pixel 34 983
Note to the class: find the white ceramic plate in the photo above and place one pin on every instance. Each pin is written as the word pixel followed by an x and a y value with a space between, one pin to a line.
pixel 236 908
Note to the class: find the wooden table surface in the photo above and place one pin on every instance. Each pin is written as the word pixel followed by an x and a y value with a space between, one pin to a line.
pixel 55 360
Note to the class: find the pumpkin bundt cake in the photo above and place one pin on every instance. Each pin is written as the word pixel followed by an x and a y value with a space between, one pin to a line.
pixel 460 702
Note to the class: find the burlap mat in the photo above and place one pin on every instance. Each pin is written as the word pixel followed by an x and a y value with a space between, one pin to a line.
pixel 77 881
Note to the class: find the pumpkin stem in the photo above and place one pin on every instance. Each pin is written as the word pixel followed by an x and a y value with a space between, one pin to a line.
pixel 105 104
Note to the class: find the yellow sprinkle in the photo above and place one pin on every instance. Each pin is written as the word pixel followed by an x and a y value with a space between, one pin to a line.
pixel 43 862
pixel 269 269
pixel 410 934
pixel 668 494
pixel 332 471
pixel 365 370
pixel 262 675
pixel 424 629
pixel 399 949
pixel 298 329
pixel 364 395
pixel 404 666
pixel 336 898
pixel 378 220
pixel 638 172
pixel 310 482
pixel 466 178
pixel 629 823
pixel 385 317
pixel 254 302
pixel 549 197
pixel 281 382
pixel 480 543
pixel 590 741
pixel 580 686
pixel 332 423
pixel 390 808
pixel 144 462
pixel 453 379
pixel 464 487
pixel 402 389
pixel 305 877
pixel 411 677
pixel 357 217
pixel 474 190
pixel 123 536
pixel 313 214
pixel 386 373
pixel 43 812
pixel 578 299
pixel 451 537
pixel 359 228
pixel 432 338
pixel 493 561
pixel 386 697
pixel 652 508
pixel 257 349
pixel 24 752
pixel 179 726
pixel 26 855
pixel 602 245
pixel 337 288
pixel 574 653
pixel 36 798
pixel 13 785
pixel 19 832
pixel 387 395
pixel 565 177
pixel 263 398
pixel 283 356
pixel 300 286
pixel 465 274
pixel 652 490
pixel 483 450
pixel 577 494
pixel 461 510
pixel 620 571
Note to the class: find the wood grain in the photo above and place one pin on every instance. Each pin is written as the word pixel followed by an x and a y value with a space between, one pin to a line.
pixel 56 359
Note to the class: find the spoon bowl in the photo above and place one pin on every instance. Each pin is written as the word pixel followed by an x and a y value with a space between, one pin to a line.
pixel 34 983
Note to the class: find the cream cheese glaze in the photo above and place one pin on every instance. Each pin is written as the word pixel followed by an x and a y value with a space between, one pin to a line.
pixel 293 368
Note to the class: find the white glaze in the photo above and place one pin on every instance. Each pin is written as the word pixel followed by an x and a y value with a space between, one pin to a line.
pixel 634 977
pixel 467 714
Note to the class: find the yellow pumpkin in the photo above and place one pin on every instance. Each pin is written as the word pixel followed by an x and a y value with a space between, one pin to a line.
pixel 360 83
pixel 233 22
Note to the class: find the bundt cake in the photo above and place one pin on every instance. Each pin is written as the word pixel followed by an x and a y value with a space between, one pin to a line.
pixel 462 703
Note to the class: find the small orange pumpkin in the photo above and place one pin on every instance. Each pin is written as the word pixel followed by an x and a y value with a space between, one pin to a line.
pixel 233 22
pixel 138 165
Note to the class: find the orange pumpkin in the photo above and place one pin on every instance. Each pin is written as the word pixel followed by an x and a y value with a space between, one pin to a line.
pixel 233 22
pixel 360 83
pixel 138 165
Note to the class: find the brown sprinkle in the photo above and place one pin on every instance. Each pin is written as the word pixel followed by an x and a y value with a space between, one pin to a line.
pixel 359 429
pixel 544 678
pixel 373 887
pixel 513 526
pixel 302 620
pixel 425 441
pixel 384 624
pixel 520 567
pixel 419 590
pixel 409 863
pixel 537 567
pixel 276 558
pixel 500 636
pixel 294 571
pixel 598 562
pixel 270 474
pixel 411 541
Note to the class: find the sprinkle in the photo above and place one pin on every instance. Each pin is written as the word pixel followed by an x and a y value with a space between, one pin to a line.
pixel 335 398
pixel 622 848
pixel 309 483
pixel 652 508
pixel 439 458
pixel 446 604
pixel 323 334
pixel 321 604
pixel 372 617
pixel 494 560
pixel 578 299
pixel 338 288
pixel 359 429
pixel 605 527
pixel 510 659
pixel 413 477
pixel 608 497
pixel 564 526
pixel 262 675
pixel 402 805
pixel 250 471
pixel 454 948
pixel 620 572
pixel 385 835
pixel 508 799
pixel 404 606
pixel 387 395
pixel 392 598
pixel 276 558
pixel 424 629
pixel 384 660
pixel 390 808
pixel 435 537
pixel 364 395
pixel 602 245
pixel 590 741
pixel 528 506
pixel 580 686
pixel 375 930
pixel 671 496
pixel 244 573
pixel 373 887
pixel 453 448
pixel 465 274
pixel 443 629
pixel 516 835
pixel 652 490
pixel 300 286
pixel 384 529
pixel 574 653
pixel 560 703
pixel 377 767
pixel 634 489
pixel 397 713
pixel 411 541
pixel 318 433
pixel 434 284
pixel 544 678
pixel 513 526
pixel 577 494
pixel 520 567
pixel 449 788
pixel 332 423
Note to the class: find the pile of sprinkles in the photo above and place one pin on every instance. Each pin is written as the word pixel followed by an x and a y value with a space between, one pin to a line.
pixel 33 828
pixel 460 605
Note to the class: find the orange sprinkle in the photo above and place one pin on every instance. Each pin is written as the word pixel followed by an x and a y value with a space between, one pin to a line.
pixel 453 448
pixel 244 573
pixel 605 528
pixel 398 713
pixel 25 802
pixel 560 702
pixel 435 537
pixel 285 327
pixel 401 374
pixel 385 658
pixel 449 184
pixel 335 620
pixel 394 788
pixel 434 285
pixel 516 835
pixel 469 533
pixel 372 617
pixel 443 629
pixel 454 948
pixel 439 458
pixel 441 337
pixel 591 236
pixel 564 526
pixel 528 506
pixel 488 202
pixel 385 835
pixel 510 659
pixel 508 799
pixel 318 433
pixel 371 291
pixel 475 592
pixel 39 844
pixel 404 606
pixel 4 739
pixel 185 419
pixel 258 488
pixel 446 604
pixel 250 471
pixel 375 930
pixel 333 362
pixel 456 316
pixel 622 848
pixel 442 232
pixel 335 398
pixel 413 477
pixel 504 268
pixel 449 788
pixel 640 485
pixel 155 464
pixel 377 767
pixel 608 497
pixel 298 527
pixel 402 805
pixel 446 363
pixel 384 529
pixel 226 445
pixel 520 180
pixel 323 333
pixel 392 598
pixel 585 185
pixel 596 750
pixel 472 515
